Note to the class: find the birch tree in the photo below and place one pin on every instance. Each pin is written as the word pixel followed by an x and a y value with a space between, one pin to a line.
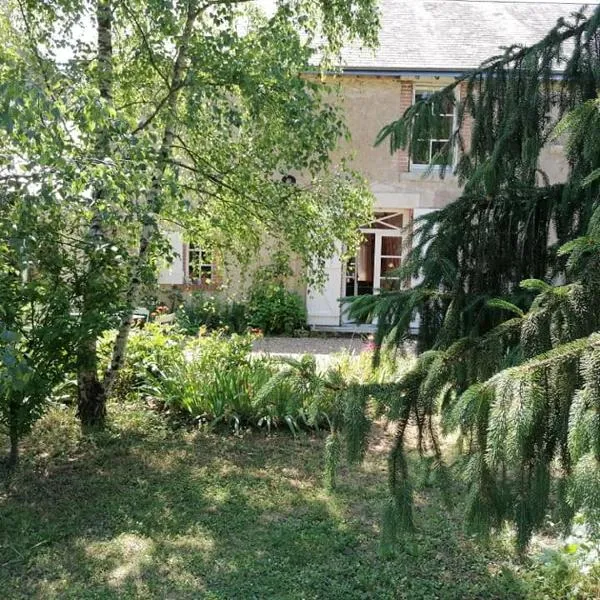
pixel 189 113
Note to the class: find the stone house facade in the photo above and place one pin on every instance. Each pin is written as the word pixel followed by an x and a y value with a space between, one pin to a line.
pixel 424 45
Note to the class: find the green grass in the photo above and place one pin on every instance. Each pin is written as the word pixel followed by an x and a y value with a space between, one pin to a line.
pixel 142 511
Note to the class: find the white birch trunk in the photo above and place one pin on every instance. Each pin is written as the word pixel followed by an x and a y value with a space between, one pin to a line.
pixel 150 227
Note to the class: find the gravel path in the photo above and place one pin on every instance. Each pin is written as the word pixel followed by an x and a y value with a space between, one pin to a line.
pixel 323 348
pixel 309 345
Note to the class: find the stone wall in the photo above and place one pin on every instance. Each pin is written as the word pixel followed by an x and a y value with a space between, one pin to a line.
pixel 369 103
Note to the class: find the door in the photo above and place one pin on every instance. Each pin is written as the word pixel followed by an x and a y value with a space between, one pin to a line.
pixel 374 268
pixel 323 305
pixel 416 321
pixel 388 258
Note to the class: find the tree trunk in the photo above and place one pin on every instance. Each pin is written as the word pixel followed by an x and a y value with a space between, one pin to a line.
pixel 153 201
pixel 91 396
pixel 91 393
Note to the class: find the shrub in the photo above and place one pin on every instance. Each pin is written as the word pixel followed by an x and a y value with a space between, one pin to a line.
pixel 273 309
pixel 347 395
pixel 212 313
pixel 271 306
pixel 147 349
pixel 215 379
pixel 186 378
pixel 212 378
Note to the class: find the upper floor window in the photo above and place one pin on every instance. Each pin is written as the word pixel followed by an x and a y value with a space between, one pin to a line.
pixel 425 151
pixel 200 267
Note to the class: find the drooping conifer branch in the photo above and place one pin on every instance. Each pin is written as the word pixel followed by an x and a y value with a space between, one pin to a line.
pixel 511 359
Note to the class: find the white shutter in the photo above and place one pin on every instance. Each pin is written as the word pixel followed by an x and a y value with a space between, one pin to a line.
pixel 323 306
pixel 173 274
pixel 418 212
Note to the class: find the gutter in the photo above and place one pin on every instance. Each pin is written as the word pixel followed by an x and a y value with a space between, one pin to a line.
pixel 411 73
pixel 400 72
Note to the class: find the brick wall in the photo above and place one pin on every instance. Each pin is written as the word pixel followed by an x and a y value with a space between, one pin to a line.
pixel 406 99
pixel 466 128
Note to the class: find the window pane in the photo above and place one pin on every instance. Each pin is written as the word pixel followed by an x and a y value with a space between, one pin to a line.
pixel 423 151
pixel 395 220
pixel 440 160
pixel 446 107
pixel 366 253
pixel 389 266
pixel 420 152
pixel 200 266
pixel 389 284
pixel 422 95
pixel 391 245
pixel 444 128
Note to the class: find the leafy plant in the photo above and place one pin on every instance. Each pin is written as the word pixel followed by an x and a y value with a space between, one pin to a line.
pixel 38 332
pixel 569 572
pixel 150 348
pixel 344 396
pixel 211 312
pixel 271 307
pixel 213 379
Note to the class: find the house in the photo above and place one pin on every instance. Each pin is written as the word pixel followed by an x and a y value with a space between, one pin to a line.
pixel 424 45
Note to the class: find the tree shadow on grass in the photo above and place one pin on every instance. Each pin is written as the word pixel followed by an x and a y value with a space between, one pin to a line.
pixel 201 516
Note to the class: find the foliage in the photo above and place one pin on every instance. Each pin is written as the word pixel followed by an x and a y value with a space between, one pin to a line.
pixel 274 310
pixel 211 378
pixel 271 307
pixel 344 394
pixel 211 312
pixel 568 571
pixel 37 331
pixel 149 348
pixel 509 360
pixel 183 112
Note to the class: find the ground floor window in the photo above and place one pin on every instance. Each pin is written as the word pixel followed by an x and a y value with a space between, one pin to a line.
pixel 200 265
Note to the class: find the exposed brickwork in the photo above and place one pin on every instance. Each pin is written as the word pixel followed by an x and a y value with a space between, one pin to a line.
pixel 467 124
pixel 406 98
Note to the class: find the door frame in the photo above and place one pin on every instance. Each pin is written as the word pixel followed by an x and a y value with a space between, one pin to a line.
pixel 379 233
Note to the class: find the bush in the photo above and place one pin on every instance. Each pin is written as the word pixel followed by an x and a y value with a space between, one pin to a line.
pixel 271 306
pixel 212 378
pixel 215 379
pixel 212 313
pixel 273 309
pixel 147 350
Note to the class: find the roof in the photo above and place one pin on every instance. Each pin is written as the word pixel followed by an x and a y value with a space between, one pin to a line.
pixel 451 35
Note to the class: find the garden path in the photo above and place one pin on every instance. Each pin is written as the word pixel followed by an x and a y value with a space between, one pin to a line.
pixel 322 347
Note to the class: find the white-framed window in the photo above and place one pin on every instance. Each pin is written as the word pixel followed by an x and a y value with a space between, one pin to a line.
pixel 200 266
pixel 424 151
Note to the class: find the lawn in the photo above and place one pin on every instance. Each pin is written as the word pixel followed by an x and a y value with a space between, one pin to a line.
pixel 142 511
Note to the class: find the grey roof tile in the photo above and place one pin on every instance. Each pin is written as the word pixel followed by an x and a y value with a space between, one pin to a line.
pixel 452 34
